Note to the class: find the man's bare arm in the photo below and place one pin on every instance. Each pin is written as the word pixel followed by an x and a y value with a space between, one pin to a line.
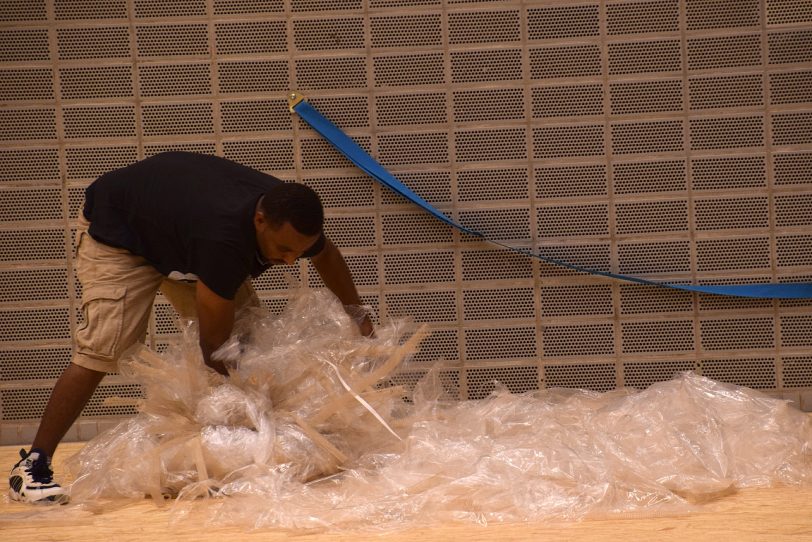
pixel 216 319
pixel 336 275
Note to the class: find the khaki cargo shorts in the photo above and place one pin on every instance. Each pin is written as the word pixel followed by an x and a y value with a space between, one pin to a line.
pixel 118 289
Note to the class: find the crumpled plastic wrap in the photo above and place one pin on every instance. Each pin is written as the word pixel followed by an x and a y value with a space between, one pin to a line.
pixel 299 399
pixel 246 450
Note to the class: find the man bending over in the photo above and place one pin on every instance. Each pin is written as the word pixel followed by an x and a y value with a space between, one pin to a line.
pixel 197 227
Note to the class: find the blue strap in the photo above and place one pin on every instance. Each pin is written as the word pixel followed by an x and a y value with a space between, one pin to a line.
pixel 358 156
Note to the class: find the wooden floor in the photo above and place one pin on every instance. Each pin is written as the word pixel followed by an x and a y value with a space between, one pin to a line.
pixel 759 514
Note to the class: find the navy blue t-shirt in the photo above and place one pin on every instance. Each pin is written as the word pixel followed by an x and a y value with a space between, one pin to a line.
pixel 190 215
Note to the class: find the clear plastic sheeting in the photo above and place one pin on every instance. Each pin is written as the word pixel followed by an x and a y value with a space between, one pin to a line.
pixel 302 435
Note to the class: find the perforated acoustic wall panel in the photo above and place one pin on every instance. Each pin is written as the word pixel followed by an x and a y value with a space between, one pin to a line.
pixel 666 138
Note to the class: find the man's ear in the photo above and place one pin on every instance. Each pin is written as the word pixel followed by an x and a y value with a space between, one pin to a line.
pixel 260 221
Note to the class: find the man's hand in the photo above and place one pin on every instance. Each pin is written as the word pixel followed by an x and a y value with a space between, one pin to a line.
pixel 215 316
pixel 361 318
pixel 366 327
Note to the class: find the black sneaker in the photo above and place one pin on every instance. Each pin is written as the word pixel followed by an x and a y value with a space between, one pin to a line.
pixel 31 480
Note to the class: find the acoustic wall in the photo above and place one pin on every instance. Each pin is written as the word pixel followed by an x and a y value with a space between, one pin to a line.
pixel 669 139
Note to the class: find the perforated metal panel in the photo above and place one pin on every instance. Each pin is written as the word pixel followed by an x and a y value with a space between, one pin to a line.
pixel 418 267
pixel 517 379
pixel 23 11
pixel 38 165
pixel 565 61
pixel 34 285
pixel 407 70
pixel 756 373
pixel 490 265
pixel 563 22
pixel 364 270
pixel 581 300
pixel 642 375
pixel 242 38
pixel 434 187
pixel 671 336
pixel 728 172
pixel 171 40
pixel 20 325
pixel 595 377
pixel 654 176
pixel 663 216
pixel 500 344
pixel 96 82
pixel 33 363
pixel 737 51
pixel 87 9
pixel 650 301
pixel 670 139
pixel 414 229
pixel 26 403
pixel 578 340
pixel 87 163
pixel 101 121
pixel 797 372
pixel 406 30
pixel 642 17
pixel 434 307
pixel 175 80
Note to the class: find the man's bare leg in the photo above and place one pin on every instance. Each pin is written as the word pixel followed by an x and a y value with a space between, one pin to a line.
pixel 70 395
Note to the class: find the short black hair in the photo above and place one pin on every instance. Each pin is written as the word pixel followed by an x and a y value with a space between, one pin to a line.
pixel 294 203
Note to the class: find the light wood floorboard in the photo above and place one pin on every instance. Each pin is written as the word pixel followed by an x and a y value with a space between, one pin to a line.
pixel 757 514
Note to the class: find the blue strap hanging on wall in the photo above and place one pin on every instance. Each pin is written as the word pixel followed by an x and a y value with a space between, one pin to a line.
pixel 358 156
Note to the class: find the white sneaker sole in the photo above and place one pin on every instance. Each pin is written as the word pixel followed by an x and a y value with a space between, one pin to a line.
pixel 59 498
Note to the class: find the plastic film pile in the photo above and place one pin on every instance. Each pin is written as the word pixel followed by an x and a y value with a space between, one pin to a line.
pixel 303 436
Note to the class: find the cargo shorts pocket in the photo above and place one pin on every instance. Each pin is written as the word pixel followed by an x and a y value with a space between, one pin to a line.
pixel 103 309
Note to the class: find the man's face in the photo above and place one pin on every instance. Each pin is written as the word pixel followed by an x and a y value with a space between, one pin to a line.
pixel 281 244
